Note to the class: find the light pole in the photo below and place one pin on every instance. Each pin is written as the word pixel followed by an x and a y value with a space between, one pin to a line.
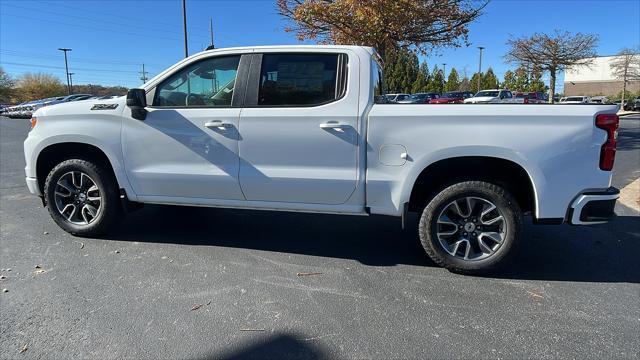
pixel 71 81
pixel 184 25
pixel 66 66
pixel 480 67
pixel 444 74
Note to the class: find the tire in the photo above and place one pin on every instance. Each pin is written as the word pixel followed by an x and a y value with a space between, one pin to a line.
pixel 70 192
pixel 449 210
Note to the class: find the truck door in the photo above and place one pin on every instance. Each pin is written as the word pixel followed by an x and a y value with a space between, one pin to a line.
pixel 299 128
pixel 187 147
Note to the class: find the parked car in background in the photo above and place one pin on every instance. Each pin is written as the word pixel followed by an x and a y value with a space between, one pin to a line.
pixel 394 98
pixel 530 98
pixel 490 96
pixel 600 100
pixel 419 98
pixel 636 104
pixel 452 97
pixel 575 100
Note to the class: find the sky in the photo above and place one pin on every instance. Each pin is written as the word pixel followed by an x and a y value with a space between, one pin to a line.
pixel 110 40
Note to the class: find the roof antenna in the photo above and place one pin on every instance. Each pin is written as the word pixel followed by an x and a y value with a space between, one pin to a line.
pixel 211 47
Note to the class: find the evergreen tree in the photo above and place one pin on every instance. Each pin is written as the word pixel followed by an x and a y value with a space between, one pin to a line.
pixel 410 72
pixel 436 81
pixel 489 80
pixel 509 80
pixel 422 80
pixel 452 82
pixel 521 79
pixel 535 81
pixel 474 82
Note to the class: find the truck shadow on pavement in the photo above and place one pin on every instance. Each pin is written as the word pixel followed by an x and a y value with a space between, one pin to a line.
pixel 601 253
pixel 274 346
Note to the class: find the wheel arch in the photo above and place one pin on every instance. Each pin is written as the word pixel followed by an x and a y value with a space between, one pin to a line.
pixel 507 171
pixel 54 153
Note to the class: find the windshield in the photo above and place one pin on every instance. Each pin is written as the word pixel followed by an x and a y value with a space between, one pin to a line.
pixel 452 95
pixel 402 97
pixel 574 98
pixel 419 96
pixel 487 94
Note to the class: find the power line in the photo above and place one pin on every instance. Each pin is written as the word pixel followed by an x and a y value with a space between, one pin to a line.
pixel 177 26
pixel 88 27
pixel 26 54
pixel 102 21
pixel 59 67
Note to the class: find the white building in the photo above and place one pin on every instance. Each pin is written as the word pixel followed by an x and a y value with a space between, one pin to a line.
pixel 596 79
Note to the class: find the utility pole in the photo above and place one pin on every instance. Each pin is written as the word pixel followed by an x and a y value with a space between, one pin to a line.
pixel 480 67
pixel 143 75
pixel 71 81
pixel 66 66
pixel 184 25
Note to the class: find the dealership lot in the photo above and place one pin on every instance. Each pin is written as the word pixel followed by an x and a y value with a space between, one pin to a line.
pixel 212 283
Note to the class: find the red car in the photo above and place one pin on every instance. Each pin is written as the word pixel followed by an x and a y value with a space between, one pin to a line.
pixel 452 97
pixel 530 97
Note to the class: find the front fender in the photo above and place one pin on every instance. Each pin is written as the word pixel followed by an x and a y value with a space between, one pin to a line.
pixel 102 133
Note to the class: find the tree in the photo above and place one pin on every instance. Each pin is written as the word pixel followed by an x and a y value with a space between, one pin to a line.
pixel 474 82
pixel 6 87
pixel 553 53
pixel 421 25
pixel 410 73
pixel 453 81
pixel 422 81
pixel 522 79
pixel 535 81
pixel 465 85
pixel 625 67
pixel 436 81
pixel 489 80
pixel 509 80
pixel 39 86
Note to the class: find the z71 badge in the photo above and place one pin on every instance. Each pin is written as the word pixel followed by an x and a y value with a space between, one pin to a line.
pixel 104 106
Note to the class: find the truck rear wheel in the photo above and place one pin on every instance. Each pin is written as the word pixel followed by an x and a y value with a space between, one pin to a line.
pixel 471 227
pixel 82 197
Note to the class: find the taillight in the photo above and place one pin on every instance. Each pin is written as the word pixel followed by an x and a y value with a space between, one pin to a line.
pixel 608 123
pixel 34 122
pixel 526 100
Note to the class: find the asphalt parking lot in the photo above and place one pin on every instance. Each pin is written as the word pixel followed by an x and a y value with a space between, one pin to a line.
pixel 195 283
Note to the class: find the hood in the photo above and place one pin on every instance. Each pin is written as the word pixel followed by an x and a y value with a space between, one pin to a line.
pixel 480 99
pixel 88 107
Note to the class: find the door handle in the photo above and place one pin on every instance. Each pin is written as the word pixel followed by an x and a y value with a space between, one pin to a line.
pixel 218 124
pixel 333 125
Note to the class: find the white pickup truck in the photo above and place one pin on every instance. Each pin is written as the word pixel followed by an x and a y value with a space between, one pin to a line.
pixel 299 128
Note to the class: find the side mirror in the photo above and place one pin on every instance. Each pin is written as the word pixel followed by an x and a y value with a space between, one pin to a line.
pixel 137 101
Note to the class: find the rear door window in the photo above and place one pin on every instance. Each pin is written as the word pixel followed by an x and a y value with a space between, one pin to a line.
pixel 301 79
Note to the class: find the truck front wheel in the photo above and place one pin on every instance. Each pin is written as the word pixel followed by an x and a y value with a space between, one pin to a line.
pixel 471 227
pixel 82 197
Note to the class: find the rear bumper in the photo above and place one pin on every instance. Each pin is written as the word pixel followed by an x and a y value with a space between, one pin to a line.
pixel 594 207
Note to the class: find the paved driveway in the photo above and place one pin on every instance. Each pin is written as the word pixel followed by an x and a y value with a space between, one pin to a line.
pixel 209 283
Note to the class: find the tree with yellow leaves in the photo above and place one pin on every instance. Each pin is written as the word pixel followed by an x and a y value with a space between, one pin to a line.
pixel 419 25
